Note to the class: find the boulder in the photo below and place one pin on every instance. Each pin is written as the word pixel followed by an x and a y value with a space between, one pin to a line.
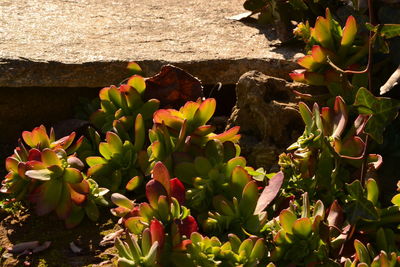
pixel 266 112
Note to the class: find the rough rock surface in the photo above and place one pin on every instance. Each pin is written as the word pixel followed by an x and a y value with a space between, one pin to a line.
pixel 265 111
pixel 87 43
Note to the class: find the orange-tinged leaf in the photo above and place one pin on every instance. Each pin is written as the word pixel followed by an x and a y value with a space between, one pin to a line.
pixel 161 174
pixel 138 83
pixel 189 109
pixel 322 31
pixel 171 118
pixel 103 94
pixel 134 67
pixel 49 157
pixel 229 135
pixel 321 54
pixel 205 111
pixel 76 197
pixel 204 130
pixel 12 164
pixel 349 32
pixel 298 75
pixel 309 63
pixel 114 142
pixel 82 187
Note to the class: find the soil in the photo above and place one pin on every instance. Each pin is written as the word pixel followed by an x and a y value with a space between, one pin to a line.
pixel 23 226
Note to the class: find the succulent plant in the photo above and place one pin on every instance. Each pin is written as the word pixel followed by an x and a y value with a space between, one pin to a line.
pixel 122 165
pixel 121 106
pixel 328 137
pixel 16 182
pixel 51 176
pixel 185 131
pixel 366 256
pixel 330 51
pixel 166 197
pixel 134 253
pixel 210 251
pixel 163 219
pixel 298 240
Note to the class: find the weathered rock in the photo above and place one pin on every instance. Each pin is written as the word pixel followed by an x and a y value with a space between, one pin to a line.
pixel 266 113
pixel 88 43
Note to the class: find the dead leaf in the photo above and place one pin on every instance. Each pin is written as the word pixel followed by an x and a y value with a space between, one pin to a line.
pixel 173 87
pixel 269 193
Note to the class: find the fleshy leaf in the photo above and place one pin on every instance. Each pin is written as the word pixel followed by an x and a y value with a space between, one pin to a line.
pixel 72 175
pixel 161 174
pixel 269 193
pixel 287 219
pixel 122 201
pixel 138 83
pixel 302 227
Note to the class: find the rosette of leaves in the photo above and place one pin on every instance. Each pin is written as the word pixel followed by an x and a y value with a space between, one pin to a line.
pixel 236 214
pixel 184 131
pixel 121 106
pixel 328 150
pixel 331 51
pixel 298 240
pixel 165 203
pixel 122 165
pixel 29 157
pixel 163 217
pixel 211 174
pixel 210 251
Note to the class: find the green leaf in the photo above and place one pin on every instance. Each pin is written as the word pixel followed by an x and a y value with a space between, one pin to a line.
pixel 72 176
pixel 385 30
pixel 138 83
pixel 381 109
pixel 362 252
pixel 302 227
pixel 287 219
pixel 249 198
pixel 122 201
pixel 240 178
pixel 396 200
pixel 359 207
pixel 372 191
pixel 349 34
pixel 140 133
